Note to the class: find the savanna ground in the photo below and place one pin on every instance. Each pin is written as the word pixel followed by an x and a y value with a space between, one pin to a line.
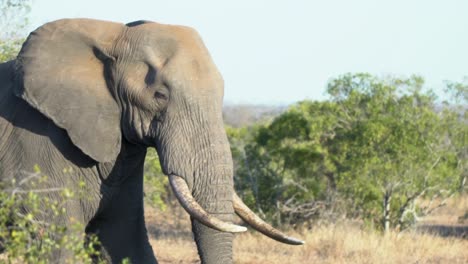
pixel 440 238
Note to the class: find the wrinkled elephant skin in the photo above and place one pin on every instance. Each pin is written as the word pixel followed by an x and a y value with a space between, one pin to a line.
pixel 91 96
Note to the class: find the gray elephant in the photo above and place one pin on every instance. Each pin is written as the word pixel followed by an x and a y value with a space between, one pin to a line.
pixel 93 96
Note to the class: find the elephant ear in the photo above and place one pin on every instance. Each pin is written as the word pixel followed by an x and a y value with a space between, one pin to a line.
pixel 61 67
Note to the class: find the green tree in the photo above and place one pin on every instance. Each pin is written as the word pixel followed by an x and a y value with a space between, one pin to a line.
pixel 25 236
pixel 371 151
pixel 156 185
pixel 456 114
pixel 281 169
pixel 396 146
pixel 13 20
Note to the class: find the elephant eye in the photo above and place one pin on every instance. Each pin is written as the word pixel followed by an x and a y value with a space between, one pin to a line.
pixel 150 75
pixel 160 95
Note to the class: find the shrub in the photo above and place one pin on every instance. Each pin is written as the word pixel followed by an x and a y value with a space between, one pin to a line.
pixel 25 237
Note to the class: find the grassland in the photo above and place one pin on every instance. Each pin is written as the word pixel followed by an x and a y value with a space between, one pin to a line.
pixel 345 242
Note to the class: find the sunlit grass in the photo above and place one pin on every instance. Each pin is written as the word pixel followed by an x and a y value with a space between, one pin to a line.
pixel 346 242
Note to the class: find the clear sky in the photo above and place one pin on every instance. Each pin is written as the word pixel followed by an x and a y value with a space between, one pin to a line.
pixel 279 52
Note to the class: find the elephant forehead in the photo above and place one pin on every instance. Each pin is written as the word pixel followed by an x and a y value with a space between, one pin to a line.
pixel 167 39
pixel 182 34
pixel 177 51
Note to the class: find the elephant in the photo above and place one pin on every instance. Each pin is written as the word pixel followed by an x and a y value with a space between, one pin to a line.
pixel 93 96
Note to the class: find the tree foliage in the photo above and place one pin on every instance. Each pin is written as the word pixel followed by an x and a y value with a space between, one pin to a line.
pixel 13 20
pixel 375 141
pixel 29 228
pixel 156 185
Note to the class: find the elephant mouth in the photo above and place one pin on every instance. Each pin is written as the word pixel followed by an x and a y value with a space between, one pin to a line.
pixel 188 202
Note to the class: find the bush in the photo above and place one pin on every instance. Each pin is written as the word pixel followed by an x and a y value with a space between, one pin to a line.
pixel 157 192
pixel 373 151
pixel 24 235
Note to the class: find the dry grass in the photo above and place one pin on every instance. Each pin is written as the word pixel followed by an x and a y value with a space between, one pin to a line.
pixel 348 244
pixel 180 251
pixel 329 244
pixel 341 243
pixel 451 214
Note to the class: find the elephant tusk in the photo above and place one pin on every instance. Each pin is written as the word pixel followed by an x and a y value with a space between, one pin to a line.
pixel 257 223
pixel 183 194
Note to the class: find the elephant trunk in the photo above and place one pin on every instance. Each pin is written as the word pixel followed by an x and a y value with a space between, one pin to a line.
pixel 213 190
pixel 195 154
pixel 211 202
pixel 213 230
pixel 188 202
pixel 215 246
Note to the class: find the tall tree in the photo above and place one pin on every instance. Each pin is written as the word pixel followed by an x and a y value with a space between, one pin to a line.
pixel 378 144
pixel 397 145
pixel 13 20
pixel 458 134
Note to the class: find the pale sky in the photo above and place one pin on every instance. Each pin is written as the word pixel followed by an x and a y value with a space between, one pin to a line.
pixel 280 52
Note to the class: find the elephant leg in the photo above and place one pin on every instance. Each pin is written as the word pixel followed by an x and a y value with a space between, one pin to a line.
pixel 122 239
pixel 120 224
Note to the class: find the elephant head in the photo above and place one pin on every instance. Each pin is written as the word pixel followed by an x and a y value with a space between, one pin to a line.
pixel 152 85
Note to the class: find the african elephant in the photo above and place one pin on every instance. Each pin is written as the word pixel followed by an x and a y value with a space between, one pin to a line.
pixel 93 96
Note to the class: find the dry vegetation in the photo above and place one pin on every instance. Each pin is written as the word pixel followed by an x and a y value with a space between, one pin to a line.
pixel 340 243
